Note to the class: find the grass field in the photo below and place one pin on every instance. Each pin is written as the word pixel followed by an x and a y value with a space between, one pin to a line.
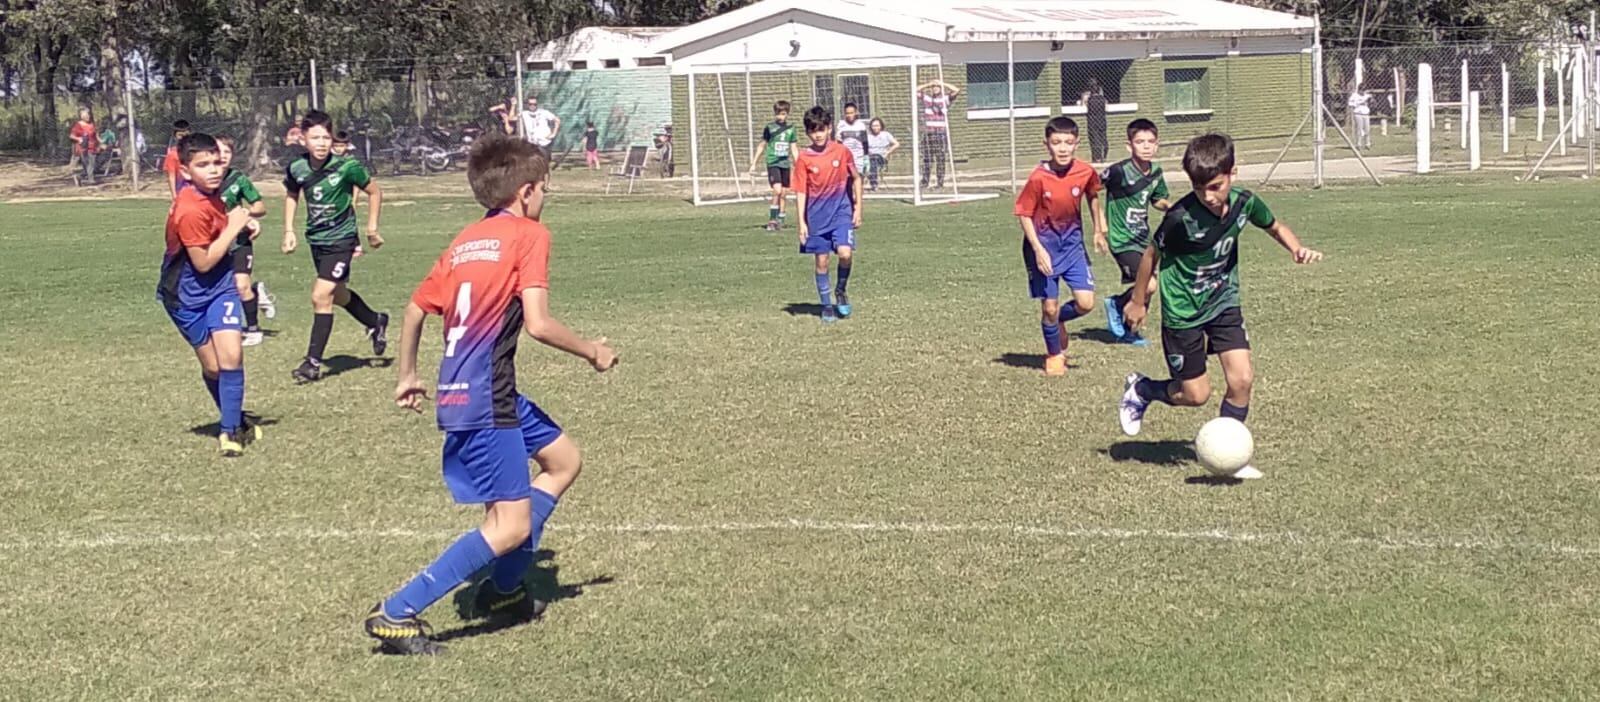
pixel 898 506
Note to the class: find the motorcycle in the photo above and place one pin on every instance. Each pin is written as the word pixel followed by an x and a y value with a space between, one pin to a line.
pixel 436 148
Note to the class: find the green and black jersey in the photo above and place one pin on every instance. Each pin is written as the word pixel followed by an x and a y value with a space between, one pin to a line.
pixel 780 138
pixel 1200 257
pixel 238 191
pixel 1129 193
pixel 329 191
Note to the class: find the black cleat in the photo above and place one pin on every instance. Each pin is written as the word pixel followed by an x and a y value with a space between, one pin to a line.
pixel 379 334
pixel 517 605
pixel 309 371
pixel 401 637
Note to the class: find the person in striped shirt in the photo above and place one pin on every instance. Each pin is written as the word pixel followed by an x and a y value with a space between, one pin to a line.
pixel 936 98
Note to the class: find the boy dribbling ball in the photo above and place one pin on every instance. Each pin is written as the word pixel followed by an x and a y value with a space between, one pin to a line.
pixel 1196 250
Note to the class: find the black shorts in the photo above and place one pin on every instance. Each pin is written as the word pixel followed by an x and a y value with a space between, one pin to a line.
pixel 333 261
pixel 1186 349
pixel 1128 262
pixel 244 259
pixel 778 175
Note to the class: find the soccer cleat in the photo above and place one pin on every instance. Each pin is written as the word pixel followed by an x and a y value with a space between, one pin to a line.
pixel 380 334
pixel 1055 365
pixel 308 371
pixel 1130 412
pixel 1248 473
pixel 517 605
pixel 844 304
pixel 1114 321
pixel 1136 339
pixel 772 225
pixel 828 315
pixel 231 444
pixel 251 337
pixel 408 636
pixel 268 304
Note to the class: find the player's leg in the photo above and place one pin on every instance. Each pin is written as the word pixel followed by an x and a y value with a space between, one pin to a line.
pixel 783 198
pixel 323 290
pixel 1231 343
pixel 824 289
pixel 1055 359
pixel 225 320
pixel 1128 267
pixel 559 464
pixel 209 371
pixel 1185 352
pixel 774 202
pixel 1074 271
pixel 841 293
pixel 243 267
pixel 376 323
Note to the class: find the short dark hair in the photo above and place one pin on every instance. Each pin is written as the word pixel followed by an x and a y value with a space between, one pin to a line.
pixel 1060 124
pixel 817 117
pixel 181 125
pixel 849 105
pixel 780 106
pixel 196 143
pixel 500 165
pixel 316 118
pixel 1208 156
pixel 1142 125
pixel 342 137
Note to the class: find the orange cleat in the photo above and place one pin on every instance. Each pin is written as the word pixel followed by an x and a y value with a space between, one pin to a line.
pixel 1055 365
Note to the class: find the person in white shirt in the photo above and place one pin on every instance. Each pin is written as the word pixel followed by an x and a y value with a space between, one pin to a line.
pixel 852 132
pixel 1361 111
pixel 880 143
pixel 540 126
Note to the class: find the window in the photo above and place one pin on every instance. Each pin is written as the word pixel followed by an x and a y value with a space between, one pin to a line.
pixel 612 63
pixel 1187 90
pixel 822 93
pixel 1075 77
pixel 986 84
pixel 577 65
pixel 856 89
pixel 541 65
pixel 653 61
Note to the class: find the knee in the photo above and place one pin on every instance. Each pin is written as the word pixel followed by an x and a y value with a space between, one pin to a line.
pixel 1195 394
pixel 244 288
pixel 1049 311
pixel 846 257
pixel 1241 384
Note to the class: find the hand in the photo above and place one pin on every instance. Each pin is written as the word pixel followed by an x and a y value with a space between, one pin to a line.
pixel 409 393
pixel 374 239
pixel 855 219
pixel 1100 243
pixel 239 217
pixel 254 227
pixel 1133 315
pixel 604 358
pixel 1041 260
pixel 290 242
pixel 1304 256
pixel 805 232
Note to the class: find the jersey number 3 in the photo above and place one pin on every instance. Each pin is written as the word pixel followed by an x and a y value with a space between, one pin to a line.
pixel 463 308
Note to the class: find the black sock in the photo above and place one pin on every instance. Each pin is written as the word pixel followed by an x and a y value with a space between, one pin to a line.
pixel 1121 299
pixel 1152 390
pixel 358 308
pixel 252 320
pixel 1236 412
pixel 844 279
pixel 321 328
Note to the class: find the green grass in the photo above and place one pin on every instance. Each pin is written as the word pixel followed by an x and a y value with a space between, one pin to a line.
pixel 1423 411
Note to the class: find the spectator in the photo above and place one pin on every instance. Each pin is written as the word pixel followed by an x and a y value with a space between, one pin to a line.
pixel 170 164
pixel 1094 105
pixel 85 143
pixel 1361 114
pixel 591 145
pixel 540 126
pixel 295 136
pixel 880 144
pixel 936 97
pixel 852 132
pixel 505 114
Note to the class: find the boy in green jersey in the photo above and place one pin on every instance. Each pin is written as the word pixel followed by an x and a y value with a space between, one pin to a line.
pixel 238 191
pixel 328 182
pixel 1196 250
pixel 1133 186
pixel 777 143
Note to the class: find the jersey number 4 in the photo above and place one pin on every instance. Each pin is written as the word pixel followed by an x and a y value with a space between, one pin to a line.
pixel 463 307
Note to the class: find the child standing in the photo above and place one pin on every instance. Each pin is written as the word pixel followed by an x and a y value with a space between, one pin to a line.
pixel 880 145
pixel 827 194
pixel 1197 253
pixel 591 146
pixel 777 141
pixel 1052 236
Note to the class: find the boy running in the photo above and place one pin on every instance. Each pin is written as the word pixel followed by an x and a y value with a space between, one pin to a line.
pixel 1133 186
pixel 238 191
pixel 196 284
pixel 328 182
pixel 1052 236
pixel 777 142
pixel 489 285
pixel 827 194
pixel 1196 249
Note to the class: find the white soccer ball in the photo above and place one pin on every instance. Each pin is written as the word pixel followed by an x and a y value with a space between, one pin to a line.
pixel 1224 445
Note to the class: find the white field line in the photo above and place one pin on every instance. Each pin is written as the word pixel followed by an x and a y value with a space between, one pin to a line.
pixel 137 539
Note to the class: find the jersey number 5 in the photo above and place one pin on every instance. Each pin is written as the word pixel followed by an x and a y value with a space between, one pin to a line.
pixel 459 331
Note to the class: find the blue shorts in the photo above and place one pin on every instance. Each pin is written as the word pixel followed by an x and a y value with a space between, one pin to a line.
pixel 1068 264
pixel 197 324
pixel 491 465
pixel 829 240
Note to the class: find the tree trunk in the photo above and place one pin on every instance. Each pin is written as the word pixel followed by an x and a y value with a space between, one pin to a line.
pixel 49 131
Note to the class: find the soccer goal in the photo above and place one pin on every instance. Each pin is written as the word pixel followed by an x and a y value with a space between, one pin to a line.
pixel 903 107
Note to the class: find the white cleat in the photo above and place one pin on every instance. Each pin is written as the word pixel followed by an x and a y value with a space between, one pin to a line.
pixel 265 301
pixel 251 338
pixel 1130 411
pixel 1248 473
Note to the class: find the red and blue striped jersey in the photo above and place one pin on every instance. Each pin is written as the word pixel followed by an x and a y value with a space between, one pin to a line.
pixel 824 176
pixel 476 285
pixel 1053 200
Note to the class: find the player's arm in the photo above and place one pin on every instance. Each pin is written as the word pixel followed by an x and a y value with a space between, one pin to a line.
pixel 760 151
pixel 204 258
pixel 1041 257
pixel 1139 302
pixel 1286 238
pixel 551 332
pixel 374 209
pixel 172 183
pixel 409 391
pixel 799 184
pixel 290 201
pixel 1097 205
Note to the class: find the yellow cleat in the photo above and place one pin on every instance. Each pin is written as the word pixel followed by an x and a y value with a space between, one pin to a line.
pixel 1055 365
pixel 231 446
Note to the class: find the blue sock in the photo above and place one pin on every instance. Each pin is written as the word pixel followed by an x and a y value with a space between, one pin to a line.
pixel 1231 410
pixel 211 387
pixel 1052 338
pixel 454 566
pixel 509 568
pixel 1069 312
pixel 822 288
pixel 844 278
pixel 230 398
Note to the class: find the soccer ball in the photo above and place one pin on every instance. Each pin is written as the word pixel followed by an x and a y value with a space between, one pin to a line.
pixel 1224 445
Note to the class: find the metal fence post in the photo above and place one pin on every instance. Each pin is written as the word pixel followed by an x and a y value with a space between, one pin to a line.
pixel 1011 102
pixel 316 104
pixel 1319 133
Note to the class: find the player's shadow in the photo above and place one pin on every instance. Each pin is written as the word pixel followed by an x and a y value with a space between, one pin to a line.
pixel 803 309
pixel 541 579
pixel 1026 360
pixel 343 363
pixel 1156 453
pixel 1103 336
pixel 214 428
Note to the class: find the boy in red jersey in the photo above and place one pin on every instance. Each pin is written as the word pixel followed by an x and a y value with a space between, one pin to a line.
pixel 1049 208
pixel 827 193
pixel 489 285
pixel 196 283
